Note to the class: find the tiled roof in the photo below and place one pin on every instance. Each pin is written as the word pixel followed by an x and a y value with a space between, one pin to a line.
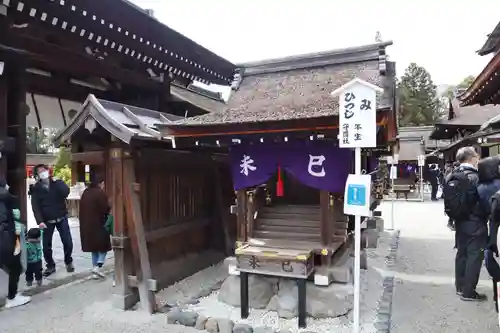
pixel 123 121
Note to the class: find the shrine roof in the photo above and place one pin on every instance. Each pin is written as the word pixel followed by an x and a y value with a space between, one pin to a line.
pixel 492 43
pixel 199 97
pixel 123 121
pixel 418 133
pixel 120 28
pixel 474 115
pixel 299 87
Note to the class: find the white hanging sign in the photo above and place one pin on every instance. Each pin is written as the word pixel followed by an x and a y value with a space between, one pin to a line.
pixel 421 160
pixel 357 195
pixel 357 114
pixel 394 172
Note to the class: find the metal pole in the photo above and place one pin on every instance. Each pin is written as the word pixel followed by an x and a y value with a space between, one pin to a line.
pixel 393 198
pixel 421 183
pixel 357 249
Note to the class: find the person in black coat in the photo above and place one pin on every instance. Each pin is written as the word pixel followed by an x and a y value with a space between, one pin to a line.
pixel 10 262
pixel 433 180
pixel 472 233
pixel 48 201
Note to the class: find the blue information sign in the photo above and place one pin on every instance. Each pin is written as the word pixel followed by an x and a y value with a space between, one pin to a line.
pixel 356 195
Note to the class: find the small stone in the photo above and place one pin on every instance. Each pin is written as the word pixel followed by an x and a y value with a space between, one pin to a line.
pixel 173 316
pixel 192 301
pixel 186 318
pixel 211 326
pixel 242 328
pixel 217 286
pixel 263 330
pixel 225 325
pixel 200 323
pixel 332 301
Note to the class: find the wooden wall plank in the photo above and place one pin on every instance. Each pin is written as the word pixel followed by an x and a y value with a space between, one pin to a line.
pixel 137 235
pixel 125 296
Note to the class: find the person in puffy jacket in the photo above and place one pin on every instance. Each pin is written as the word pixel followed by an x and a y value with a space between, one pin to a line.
pixel 10 256
pixel 474 231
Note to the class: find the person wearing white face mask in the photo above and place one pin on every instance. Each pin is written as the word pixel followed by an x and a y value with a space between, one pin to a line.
pixel 48 201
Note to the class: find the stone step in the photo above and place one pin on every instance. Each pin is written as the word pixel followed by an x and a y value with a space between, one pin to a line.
pixel 306 236
pixel 308 229
pixel 265 220
pixel 293 209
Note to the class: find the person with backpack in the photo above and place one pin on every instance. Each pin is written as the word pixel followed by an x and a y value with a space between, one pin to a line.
pixel 449 170
pixel 10 252
pixel 463 199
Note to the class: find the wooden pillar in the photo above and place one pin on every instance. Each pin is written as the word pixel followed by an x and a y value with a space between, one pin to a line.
pixel 326 225
pixel 137 235
pixel 241 229
pixel 124 296
pixel 222 211
pixel 3 123
pixel 16 119
pixel 250 214
pixel 77 168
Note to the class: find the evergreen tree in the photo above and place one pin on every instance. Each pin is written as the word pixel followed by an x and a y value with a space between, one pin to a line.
pixel 418 100
pixel 466 83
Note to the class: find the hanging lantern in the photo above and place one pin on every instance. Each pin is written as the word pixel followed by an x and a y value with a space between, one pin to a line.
pixel 279 184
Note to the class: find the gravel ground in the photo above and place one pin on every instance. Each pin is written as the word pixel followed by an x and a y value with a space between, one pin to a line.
pixel 371 281
pixel 424 297
pixel 191 286
pixel 82 308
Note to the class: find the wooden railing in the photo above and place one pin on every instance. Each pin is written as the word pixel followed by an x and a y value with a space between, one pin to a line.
pixel 256 199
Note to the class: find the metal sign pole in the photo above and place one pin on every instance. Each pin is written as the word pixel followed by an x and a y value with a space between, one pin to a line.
pixel 357 124
pixel 393 202
pixel 357 249
pixel 421 183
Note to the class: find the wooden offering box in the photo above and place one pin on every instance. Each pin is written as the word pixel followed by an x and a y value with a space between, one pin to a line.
pixel 290 263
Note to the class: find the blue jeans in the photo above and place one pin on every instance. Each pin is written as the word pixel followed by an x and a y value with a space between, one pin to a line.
pixel 98 258
pixel 67 242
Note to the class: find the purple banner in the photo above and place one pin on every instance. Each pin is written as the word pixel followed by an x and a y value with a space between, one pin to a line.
pixel 316 164
pixel 251 165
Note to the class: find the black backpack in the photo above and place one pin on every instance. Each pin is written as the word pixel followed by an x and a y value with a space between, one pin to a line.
pixel 460 195
pixel 7 235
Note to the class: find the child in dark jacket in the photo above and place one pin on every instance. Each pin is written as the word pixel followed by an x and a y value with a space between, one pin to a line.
pixel 34 254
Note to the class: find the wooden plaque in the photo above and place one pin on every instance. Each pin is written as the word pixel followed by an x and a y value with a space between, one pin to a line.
pixel 290 263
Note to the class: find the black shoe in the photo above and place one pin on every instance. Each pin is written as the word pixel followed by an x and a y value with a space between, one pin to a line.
pixel 475 297
pixel 29 283
pixel 459 293
pixel 70 268
pixel 39 282
pixel 49 271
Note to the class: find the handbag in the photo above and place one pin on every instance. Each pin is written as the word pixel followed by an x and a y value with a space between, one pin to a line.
pixel 109 225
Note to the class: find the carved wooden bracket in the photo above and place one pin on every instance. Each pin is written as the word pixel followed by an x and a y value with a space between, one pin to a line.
pixel 118 242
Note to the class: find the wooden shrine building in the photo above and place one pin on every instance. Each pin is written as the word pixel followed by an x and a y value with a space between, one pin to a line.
pixel 281 114
pixel 479 101
pixel 171 206
pixel 462 121
pixel 112 49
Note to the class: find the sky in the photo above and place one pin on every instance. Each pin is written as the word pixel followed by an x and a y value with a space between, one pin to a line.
pixel 440 35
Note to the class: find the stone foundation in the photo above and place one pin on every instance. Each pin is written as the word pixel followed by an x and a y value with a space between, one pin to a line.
pixel 281 295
